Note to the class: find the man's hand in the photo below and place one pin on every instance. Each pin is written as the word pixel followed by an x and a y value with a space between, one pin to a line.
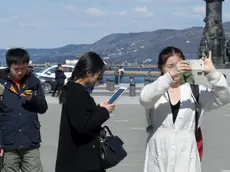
pixel 27 96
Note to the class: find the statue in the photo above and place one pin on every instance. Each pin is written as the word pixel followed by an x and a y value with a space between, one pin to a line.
pixel 227 49
pixel 203 48
pixel 213 33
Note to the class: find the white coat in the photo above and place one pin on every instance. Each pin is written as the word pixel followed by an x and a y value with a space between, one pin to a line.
pixel 172 147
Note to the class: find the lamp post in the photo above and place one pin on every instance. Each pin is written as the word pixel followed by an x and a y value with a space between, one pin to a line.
pixel 213 35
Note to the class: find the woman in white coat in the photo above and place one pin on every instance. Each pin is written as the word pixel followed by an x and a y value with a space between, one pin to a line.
pixel 170 107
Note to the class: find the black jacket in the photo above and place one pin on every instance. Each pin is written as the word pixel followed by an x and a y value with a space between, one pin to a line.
pixel 19 124
pixel 60 77
pixel 81 120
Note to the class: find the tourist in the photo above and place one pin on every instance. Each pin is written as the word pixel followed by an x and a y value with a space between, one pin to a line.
pixel 121 73
pixel 81 119
pixel 170 110
pixel 116 74
pixel 59 80
pixel 21 101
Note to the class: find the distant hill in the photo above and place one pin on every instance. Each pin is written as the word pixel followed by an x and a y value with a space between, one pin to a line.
pixel 132 47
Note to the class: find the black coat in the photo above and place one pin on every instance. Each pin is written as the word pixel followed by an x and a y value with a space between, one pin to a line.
pixel 60 77
pixel 19 125
pixel 81 120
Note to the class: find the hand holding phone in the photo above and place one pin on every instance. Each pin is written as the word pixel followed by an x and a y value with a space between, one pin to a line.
pixel 28 92
pixel 196 64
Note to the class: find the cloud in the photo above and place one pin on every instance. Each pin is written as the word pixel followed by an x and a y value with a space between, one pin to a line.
pixel 195 12
pixel 9 19
pixel 163 1
pixel 226 16
pixel 75 19
pixel 144 11
pixel 141 9
pixel 199 10
pixel 131 1
pixel 94 12
pixel 122 13
pixel 177 13
pixel 71 8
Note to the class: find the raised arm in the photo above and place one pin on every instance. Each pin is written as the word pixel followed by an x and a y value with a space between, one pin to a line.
pixel 218 96
pixel 220 93
pixel 151 93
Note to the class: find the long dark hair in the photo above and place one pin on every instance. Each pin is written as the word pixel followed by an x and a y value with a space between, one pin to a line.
pixel 166 53
pixel 89 62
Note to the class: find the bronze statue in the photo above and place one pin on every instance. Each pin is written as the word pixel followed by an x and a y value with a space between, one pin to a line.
pixel 213 33
pixel 203 47
pixel 227 49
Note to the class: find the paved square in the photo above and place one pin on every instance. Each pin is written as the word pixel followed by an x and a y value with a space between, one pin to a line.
pixel 128 121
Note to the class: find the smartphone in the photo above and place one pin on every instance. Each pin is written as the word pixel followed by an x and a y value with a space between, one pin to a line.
pixel 117 94
pixel 28 92
pixel 196 64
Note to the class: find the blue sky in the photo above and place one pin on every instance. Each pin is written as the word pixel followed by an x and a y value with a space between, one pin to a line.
pixel 55 23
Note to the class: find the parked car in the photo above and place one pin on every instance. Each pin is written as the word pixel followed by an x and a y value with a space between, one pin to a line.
pixel 47 76
pixel 48 84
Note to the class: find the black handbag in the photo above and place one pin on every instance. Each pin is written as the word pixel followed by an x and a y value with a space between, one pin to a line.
pixel 111 150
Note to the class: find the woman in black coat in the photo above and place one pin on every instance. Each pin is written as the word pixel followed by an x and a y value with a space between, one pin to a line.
pixel 81 119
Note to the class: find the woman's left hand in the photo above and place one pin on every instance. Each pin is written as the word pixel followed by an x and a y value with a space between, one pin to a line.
pixel 104 103
pixel 208 65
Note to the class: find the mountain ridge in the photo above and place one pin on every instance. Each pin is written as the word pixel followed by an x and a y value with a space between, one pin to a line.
pixel 135 47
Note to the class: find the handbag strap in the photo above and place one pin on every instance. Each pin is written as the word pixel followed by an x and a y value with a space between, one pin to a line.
pixel 103 131
pixel 195 92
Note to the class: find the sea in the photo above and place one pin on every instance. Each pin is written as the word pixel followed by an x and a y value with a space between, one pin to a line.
pixel 137 79
pixel 125 79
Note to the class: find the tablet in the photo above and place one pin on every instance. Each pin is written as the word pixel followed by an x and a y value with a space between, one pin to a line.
pixel 116 95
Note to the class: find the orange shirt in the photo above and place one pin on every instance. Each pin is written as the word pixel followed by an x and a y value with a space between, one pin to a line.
pixel 12 87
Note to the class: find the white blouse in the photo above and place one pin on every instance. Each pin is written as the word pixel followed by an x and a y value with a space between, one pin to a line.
pixel 171 147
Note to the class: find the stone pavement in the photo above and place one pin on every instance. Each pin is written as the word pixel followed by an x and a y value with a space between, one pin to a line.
pixel 128 121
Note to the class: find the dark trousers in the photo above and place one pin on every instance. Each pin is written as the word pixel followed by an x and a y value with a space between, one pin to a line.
pixel 58 87
pixel 116 79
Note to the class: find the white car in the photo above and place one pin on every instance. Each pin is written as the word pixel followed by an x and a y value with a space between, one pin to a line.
pixel 50 71
pixel 47 76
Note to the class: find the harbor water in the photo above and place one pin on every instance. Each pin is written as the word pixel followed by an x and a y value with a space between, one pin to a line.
pixel 125 79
